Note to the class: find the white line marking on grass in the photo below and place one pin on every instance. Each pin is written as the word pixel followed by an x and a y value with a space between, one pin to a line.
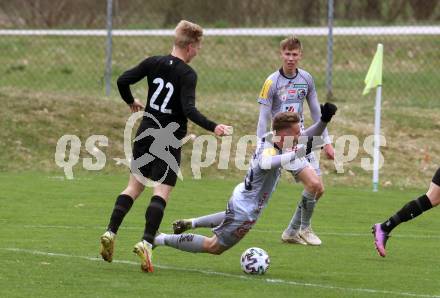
pixel 243 277
pixel 340 234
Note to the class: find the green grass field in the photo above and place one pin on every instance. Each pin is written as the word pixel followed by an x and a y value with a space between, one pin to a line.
pixel 50 227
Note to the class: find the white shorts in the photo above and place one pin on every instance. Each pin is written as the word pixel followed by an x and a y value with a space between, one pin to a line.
pixel 234 227
pixel 297 165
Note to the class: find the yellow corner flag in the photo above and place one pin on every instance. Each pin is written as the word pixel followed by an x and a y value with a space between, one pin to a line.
pixel 374 75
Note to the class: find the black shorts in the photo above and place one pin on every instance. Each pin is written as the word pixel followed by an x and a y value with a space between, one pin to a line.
pixel 155 168
pixel 436 178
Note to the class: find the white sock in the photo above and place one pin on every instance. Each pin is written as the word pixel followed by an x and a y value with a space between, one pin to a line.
pixel 186 242
pixel 159 239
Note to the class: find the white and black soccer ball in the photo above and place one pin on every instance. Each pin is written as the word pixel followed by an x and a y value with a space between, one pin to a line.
pixel 254 260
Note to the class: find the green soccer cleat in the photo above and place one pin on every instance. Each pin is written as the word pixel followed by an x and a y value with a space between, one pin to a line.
pixel 145 252
pixel 107 245
pixel 182 225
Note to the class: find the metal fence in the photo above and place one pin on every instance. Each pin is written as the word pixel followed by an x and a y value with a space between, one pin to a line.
pixel 234 62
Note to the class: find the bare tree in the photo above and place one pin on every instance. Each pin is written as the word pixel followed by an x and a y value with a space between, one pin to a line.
pixel 395 10
pixel 423 9
pixel 373 10
pixel 310 11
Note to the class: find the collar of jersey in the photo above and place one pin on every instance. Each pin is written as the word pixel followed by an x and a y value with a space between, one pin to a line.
pixel 282 73
pixel 175 58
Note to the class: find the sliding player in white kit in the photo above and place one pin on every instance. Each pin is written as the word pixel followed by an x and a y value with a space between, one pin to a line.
pixel 286 90
pixel 278 149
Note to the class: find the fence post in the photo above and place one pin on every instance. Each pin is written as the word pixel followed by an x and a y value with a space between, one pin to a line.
pixel 329 74
pixel 108 52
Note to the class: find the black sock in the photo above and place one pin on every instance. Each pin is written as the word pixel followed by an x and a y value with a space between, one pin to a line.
pixel 153 218
pixel 409 211
pixel 122 206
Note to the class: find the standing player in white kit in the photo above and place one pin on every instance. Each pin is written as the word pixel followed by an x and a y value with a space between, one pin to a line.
pixel 286 90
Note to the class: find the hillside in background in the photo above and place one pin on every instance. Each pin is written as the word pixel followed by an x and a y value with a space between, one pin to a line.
pixel 33 122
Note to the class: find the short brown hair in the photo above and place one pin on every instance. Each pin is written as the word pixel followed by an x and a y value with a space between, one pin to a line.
pixel 187 33
pixel 290 43
pixel 285 120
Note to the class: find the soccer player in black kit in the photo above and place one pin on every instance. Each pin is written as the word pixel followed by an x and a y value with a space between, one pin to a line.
pixel 171 101
pixel 381 231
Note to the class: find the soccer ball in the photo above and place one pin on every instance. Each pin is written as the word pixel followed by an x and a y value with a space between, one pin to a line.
pixel 254 260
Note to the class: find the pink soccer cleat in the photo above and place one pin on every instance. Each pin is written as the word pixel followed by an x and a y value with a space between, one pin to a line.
pixel 380 239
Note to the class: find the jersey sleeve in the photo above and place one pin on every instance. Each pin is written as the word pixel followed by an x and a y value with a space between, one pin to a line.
pixel 133 76
pixel 315 109
pixel 271 159
pixel 266 94
pixel 188 99
pixel 264 119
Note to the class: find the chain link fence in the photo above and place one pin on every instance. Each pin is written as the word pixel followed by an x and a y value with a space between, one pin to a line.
pixel 233 63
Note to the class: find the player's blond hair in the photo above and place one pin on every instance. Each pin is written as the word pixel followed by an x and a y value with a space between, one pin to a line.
pixel 290 43
pixel 187 33
pixel 285 120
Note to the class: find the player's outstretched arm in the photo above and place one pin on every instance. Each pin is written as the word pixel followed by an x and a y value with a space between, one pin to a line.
pixel 328 147
pixel 328 110
pixel 188 99
pixel 270 161
pixel 280 160
pixel 313 102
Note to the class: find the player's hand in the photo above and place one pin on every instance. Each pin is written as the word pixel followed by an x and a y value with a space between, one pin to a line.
pixel 327 111
pixel 136 106
pixel 329 151
pixel 223 130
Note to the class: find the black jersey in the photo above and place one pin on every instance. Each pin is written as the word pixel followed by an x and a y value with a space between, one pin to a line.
pixel 171 91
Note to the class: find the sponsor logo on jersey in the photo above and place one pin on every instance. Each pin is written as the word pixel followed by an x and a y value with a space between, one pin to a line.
pixel 290 109
pixel 301 93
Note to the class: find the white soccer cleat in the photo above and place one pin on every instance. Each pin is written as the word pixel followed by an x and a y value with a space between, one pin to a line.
pixel 292 238
pixel 107 245
pixel 309 236
pixel 145 252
